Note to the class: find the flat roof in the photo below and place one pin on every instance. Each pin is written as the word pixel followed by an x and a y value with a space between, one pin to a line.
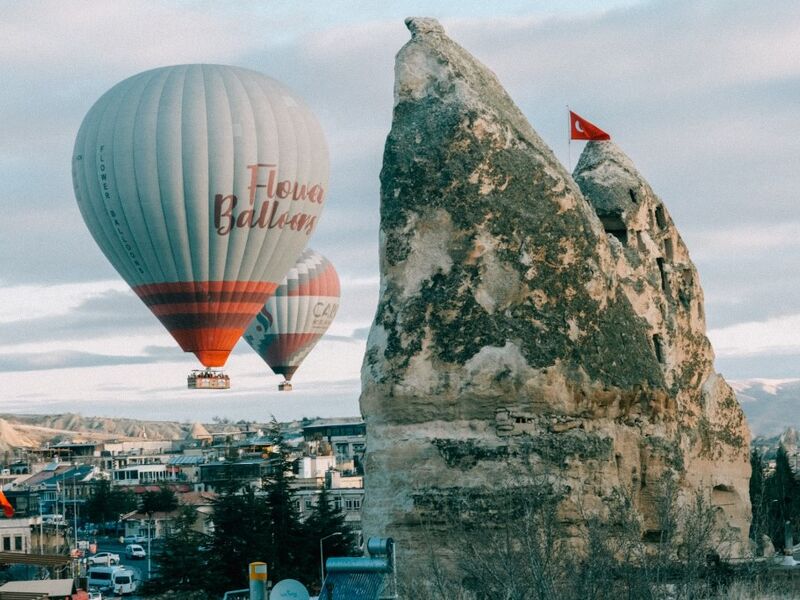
pixel 51 587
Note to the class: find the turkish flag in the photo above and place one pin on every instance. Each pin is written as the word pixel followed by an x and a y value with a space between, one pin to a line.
pixel 6 505
pixel 581 129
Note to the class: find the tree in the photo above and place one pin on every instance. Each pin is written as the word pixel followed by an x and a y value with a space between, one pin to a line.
pixel 107 503
pixel 758 500
pixel 782 498
pixel 164 500
pixel 324 521
pixel 182 562
pixel 242 534
pixel 286 557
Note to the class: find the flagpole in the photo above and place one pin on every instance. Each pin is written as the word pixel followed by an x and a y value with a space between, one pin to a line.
pixel 569 142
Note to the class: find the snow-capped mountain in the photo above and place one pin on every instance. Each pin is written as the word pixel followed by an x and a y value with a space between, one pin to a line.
pixel 771 405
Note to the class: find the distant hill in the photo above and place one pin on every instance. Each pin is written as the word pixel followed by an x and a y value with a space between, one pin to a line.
pixel 28 431
pixel 771 405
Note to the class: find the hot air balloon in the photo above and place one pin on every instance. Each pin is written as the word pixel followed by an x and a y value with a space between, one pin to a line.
pixel 201 184
pixel 293 320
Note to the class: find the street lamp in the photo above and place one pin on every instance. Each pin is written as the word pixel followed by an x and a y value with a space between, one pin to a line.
pixel 149 521
pixel 321 559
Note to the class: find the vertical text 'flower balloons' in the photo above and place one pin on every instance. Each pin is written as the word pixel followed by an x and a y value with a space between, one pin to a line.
pixel 201 184
pixel 299 313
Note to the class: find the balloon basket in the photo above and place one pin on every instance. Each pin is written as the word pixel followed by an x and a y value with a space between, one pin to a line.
pixel 208 379
pixel 285 386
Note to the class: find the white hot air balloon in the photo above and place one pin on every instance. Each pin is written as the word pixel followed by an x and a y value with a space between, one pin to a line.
pixel 296 316
pixel 201 184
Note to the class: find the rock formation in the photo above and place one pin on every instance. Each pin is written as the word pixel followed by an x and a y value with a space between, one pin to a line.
pixel 529 321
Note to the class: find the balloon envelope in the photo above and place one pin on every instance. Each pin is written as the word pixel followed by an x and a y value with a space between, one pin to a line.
pixel 293 320
pixel 201 184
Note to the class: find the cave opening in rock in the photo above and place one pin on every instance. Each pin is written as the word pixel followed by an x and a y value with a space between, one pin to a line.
pixel 661 218
pixel 658 346
pixel 663 272
pixel 669 253
pixel 614 225
pixel 634 199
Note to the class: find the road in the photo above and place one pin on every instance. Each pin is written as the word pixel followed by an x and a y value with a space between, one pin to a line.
pixel 138 566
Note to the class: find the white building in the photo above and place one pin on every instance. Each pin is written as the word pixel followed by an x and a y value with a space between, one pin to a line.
pixel 15 535
pixel 143 475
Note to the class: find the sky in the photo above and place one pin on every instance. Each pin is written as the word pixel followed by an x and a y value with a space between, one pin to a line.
pixel 701 95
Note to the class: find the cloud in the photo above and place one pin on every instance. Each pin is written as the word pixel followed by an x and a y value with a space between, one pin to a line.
pixel 68 359
pixel 777 336
pixel 110 313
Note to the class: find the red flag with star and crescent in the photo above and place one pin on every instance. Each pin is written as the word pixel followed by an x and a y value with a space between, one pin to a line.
pixel 581 129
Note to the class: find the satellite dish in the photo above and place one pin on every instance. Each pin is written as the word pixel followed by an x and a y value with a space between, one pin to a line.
pixel 289 589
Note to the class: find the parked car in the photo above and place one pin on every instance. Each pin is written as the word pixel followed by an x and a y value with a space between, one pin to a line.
pixel 134 539
pixel 103 558
pixel 95 595
pixel 135 551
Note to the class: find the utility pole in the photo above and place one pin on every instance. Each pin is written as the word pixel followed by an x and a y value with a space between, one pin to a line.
pixel 74 512
pixel 41 526
pixel 149 557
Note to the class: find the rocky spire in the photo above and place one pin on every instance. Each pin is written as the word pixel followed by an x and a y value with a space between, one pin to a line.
pixel 519 323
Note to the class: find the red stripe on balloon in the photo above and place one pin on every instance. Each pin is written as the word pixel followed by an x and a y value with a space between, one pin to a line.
pixel 211 308
pixel 324 284
pixel 283 351
pixel 208 328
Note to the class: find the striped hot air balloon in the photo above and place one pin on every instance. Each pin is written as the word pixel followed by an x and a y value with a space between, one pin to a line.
pixel 299 313
pixel 201 184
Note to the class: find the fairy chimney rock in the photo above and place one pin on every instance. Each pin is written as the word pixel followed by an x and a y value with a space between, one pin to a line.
pixel 523 324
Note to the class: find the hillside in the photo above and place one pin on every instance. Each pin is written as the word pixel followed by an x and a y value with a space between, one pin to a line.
pixel 27 431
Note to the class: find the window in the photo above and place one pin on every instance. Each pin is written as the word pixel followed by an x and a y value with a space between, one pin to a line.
pixel 7 543
pixel 309 503
pixel 661 219
pixel 343 449
pixel 352 503
pixel 18 543
pixel 658 346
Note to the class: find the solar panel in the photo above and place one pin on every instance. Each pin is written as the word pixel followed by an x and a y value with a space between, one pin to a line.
pixel 352 586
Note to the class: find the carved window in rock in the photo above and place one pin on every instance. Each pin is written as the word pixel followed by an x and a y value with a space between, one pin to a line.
pixel 658 348
pixel 669 252
pixel 661 217
pixel 663 273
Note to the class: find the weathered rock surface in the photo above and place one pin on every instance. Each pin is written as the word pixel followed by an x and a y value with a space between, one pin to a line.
pixel 526 324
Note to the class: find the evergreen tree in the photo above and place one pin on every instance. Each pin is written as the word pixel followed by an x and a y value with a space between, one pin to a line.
pixel 163 500
pixel 324 521
pixel 242 534
pixel 287 558
pixel 783 498
pixel 183 559
pixel 758 498
pixel 107 504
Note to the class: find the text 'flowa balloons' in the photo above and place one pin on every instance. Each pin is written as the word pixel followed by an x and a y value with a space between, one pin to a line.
pixel 201 184
pixel 293 320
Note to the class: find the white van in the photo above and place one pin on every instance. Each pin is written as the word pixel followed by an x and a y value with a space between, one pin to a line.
pixel 116 579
